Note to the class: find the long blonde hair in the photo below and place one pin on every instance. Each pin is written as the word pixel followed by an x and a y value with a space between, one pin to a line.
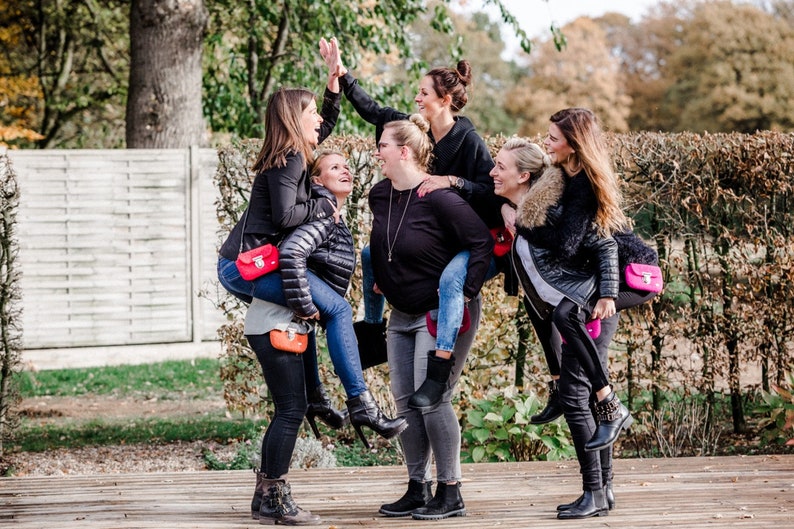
pixel 583 133
pixel 283 129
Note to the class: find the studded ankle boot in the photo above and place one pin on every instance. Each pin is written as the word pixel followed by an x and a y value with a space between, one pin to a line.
pixel 278 507
pixel 612 417
pixel 259 493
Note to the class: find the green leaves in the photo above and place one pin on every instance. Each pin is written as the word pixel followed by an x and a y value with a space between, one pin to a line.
pixel 498 429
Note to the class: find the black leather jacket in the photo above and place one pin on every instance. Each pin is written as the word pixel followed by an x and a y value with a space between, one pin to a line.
pixel 281 196
pixel 322 246
pixel 556 221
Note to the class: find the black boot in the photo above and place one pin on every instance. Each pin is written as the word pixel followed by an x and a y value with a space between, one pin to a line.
pixel 418 495
pixel 278 507
pixel 591 503
pixel 432 389
pixel 320 407
pixel 608 492
pixel 364 411
pixel 371 339
pixel 553 408
pixel 446 503
pixel 612 417
pixel 259 493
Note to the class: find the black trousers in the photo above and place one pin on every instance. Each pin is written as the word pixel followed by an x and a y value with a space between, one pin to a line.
pixel 286 380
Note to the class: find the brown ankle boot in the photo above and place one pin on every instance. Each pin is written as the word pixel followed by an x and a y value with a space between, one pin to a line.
pixel 278 507
pixel 259 493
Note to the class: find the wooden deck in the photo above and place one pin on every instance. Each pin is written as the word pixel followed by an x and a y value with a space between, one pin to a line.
pixel 747 492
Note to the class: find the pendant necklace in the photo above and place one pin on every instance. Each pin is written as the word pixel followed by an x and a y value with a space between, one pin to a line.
pixel 389 243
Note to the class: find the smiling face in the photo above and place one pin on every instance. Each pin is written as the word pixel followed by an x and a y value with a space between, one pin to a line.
pixel 311 120
pixel 556 145
pixel 508 181
pixel 389 152
pixel 335 175
pixel 429 103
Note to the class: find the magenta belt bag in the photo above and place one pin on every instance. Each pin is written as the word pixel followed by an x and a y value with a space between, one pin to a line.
pixel 644 277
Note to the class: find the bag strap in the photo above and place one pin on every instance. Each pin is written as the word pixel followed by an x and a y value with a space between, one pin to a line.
pixel 242 234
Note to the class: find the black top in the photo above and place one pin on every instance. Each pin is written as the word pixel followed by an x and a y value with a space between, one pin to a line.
pixel 281 197
pixel 461 152
pixel 434 229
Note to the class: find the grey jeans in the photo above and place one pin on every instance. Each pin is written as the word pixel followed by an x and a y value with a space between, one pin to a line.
pixel 436 432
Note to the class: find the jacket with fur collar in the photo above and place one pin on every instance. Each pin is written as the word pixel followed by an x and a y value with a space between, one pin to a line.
pixel 556 217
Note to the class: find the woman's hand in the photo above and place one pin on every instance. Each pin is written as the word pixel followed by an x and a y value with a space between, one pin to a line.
pixel 375 289
pixel 604 308
pixel 509 218
pixel 329 50
pixel 431 183
pixel 315 316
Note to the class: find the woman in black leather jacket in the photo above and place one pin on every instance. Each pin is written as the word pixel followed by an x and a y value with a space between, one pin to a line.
pixel 564 265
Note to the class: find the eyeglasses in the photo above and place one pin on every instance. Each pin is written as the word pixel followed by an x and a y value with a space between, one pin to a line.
pixel 382 145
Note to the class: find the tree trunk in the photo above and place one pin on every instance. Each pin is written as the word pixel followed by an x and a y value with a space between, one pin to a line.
pixel 164 98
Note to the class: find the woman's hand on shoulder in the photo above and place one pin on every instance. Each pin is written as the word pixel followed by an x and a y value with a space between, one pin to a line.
pixel 509 218
pixel 431 183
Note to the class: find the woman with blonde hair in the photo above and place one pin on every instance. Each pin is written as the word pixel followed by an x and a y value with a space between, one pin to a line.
pixel 413 239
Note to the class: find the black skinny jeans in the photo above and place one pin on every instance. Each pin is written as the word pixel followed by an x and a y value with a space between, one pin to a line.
pixel 576 398
pixel 285 378
pixel 570 320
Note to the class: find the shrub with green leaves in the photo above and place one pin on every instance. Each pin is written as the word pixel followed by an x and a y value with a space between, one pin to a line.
pixel 778 425
pixel 498 429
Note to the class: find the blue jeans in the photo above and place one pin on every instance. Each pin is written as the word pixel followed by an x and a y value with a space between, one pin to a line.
pixel 434 433
pixel 451 300
pixel 374 303
pixel 336 317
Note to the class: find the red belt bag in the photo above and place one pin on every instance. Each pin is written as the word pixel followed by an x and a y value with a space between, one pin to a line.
pixel 644 277
pixel 257 261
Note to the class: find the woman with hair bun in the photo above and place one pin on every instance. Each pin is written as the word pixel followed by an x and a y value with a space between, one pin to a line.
pixel 461 162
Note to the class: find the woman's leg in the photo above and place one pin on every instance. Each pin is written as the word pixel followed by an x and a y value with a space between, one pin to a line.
pixel 451 302
pixel 284 377
pixel 374 303
pixel 549 339
pixel 570 319
pixel 229 277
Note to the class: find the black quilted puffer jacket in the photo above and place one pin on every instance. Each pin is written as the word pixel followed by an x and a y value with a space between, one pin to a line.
pixel 322 246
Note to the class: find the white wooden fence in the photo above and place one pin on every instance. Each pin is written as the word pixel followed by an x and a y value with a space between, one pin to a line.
pixel 115 246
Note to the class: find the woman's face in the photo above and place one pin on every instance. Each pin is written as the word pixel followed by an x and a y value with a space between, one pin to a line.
pixel 388 153
pixel 311 119
pixel 335 175
pixel 556 145
pixel 507 181
pixel 430 105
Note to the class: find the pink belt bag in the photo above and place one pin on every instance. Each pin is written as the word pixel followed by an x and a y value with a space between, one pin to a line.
pixel 644 277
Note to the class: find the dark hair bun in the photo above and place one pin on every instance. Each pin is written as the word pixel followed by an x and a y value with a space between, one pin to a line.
pixel 464 72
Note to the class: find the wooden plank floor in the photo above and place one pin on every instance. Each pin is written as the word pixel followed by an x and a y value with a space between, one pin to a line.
pixel 747 492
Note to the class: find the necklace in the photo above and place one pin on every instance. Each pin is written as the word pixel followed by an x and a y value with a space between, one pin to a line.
pixel 389 243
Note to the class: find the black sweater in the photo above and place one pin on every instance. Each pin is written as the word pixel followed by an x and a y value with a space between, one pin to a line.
pixel 434 229
pixel 461 152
